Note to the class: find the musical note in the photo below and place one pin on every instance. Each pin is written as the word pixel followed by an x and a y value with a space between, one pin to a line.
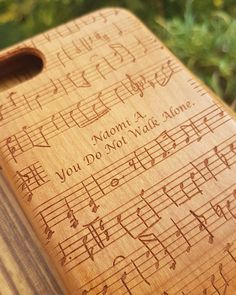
pixel 144 158
pixel 10 96
pixel 92 203
pixel 221 157
pixel 123 279
pixel 104 290
pixel 119 47
pixel 88 250
pixel 95 235
pixel 219 211
pixel 64 257
pixel 164 135
pixel 105 108
pixel 207 165
pixel 166 72
pixel 137 87
pixel 164 189
pixel 118 95
pixel 192 177
pixel 77 48
pixel 48 231
pixel 179 232
pixel 25 185
pixel 208 126
pixel 150 238
pixel 55 88
pixel 38 102
pixel 31 178
pixel 27 102
pixel 187 128
pixel 42 136
pixel 141 44
pixel 70 215
pixel 140 273
pixel 155 214
pixel 13 147
pixel 227 249
pixel 228 206
pixel 232 148
pixel 120 32
pixel 203 225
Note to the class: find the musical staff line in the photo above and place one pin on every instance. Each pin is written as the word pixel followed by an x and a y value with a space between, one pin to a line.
pixel 51 131
pixel 72 27
pixel 23 104
pixel 77 48
pixel 173 242
pixel 110 173
pixel 29 179
pixel 136 224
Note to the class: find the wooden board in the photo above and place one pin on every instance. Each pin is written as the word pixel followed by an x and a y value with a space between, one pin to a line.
pixel 23 267
pixel 121 159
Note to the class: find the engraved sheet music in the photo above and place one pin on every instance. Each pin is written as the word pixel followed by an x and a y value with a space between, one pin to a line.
pixel 123 162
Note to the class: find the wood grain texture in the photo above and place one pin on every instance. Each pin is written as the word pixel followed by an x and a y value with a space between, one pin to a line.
pixel 123 162
pixel 24 269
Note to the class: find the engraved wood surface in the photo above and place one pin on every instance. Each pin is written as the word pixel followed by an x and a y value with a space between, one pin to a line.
pixel 123 162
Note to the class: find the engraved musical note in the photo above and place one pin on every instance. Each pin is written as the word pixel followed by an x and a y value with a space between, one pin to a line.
pixel 140 273
pixel 31 178
pixel 208 126
pixel 64 257
pixel 71 216
pixel 233 148
pixel 228 206
pixel 10 96
pixel 118 48
pixel 96 235
pixel 27 102
pixel 219 211
pixel 221 157
pixel 13 146
pixel 55 88
pixel 165 135
pixel 48 231
pixel 151 222
pixel 25 180
pixel 179 232
pixel 188 128
pixel 145 158
pixel 136 86
pixel 228 250
pixel 150 238
pixel 203 225
pixel 77 48
pixel 42 136
pixel 164 76
pixel 104 290
pixel 92 203
pixel 120 32
pixel 141 44
pixel 194 181
pixel 164 189
pixel 207 165
pixel 123 280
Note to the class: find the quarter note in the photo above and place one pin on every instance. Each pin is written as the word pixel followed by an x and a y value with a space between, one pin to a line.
pixel 203 225
pixel 188 128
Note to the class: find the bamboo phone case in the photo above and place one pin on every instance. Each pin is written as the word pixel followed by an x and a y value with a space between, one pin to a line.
pixel 123 162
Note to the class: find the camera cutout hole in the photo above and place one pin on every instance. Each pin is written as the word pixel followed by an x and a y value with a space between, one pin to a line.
pixel 19 66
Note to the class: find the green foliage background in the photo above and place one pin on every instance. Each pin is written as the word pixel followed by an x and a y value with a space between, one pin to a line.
pixel 202 33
